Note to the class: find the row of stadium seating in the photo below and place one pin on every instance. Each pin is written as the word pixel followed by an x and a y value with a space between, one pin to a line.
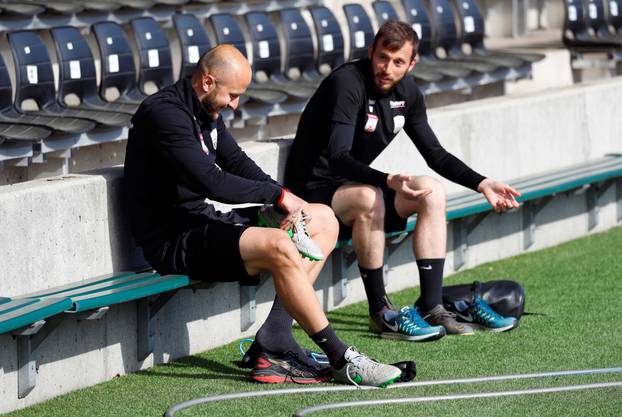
pixel 274 90
pixel 593 26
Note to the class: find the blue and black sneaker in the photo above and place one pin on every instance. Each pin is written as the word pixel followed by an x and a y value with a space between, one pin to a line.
pixel 408 325
pixel 481 315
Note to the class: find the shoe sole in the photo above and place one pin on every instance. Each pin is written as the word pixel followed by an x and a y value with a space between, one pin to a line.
pixel 261 222
pixel 424 338
pixel 281 379
pixel 390 381
pixel 495 330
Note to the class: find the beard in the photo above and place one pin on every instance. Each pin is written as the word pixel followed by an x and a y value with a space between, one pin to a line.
pixel 210 107
pixel 388 83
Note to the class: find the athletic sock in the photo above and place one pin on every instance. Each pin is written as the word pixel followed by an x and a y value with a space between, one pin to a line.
pixel 431 282
pixel 334 348
pixel 374 288
pixel 275 335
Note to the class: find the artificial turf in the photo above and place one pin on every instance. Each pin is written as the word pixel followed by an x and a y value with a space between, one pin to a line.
pixel 573 291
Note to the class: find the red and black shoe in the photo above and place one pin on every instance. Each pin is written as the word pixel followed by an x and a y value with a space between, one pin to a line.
pixel 277 369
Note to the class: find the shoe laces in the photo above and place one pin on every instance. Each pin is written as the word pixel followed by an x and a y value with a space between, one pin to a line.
pixel 413 315
pixel 443 313
pixel 300 225
pixel 484 311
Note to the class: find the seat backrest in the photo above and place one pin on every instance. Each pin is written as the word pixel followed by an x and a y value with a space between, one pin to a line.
pixel 155 53
pixel 6 90
pixel 384 11
pixel 417 17
pixel 34 78
pixel 266 44
pixel 329 37
pixel 471 23
pixel 596 18
pixel 574 18
pixel 299 52
pixel 193 41
pixel 228 30
pixel 615 14
pixel 444 25
pixel 75 61
pixel 361 30
pixel 117 60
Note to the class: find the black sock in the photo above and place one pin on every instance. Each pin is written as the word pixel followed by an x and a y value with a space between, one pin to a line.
pixel 334 348
pixel 374 288
pixel 275 335
pixel 431 282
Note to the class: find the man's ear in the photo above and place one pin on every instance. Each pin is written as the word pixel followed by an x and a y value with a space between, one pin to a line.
pixel 208 82
pixel 412 63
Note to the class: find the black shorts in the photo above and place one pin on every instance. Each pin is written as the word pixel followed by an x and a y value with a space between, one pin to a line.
pixel 392 221
pixel 208 252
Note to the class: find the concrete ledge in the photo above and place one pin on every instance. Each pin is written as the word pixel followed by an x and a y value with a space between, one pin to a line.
pixel 60 230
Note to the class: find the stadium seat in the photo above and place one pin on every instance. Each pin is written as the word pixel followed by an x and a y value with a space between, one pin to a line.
pixel 299 51
pixel 329 38
pixel 614 17
pixel 154 54
pixel 267 58
pixel 193 41
pixel 9 114
pixel 35 80
pixel 117 63
pixel 445 36
pixel 598 22
pixel 576 33
pixel 12 133
pixel 77 73
pixel 228 31
pixel 472 30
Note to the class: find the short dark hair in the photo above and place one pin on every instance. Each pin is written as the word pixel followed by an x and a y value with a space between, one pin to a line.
pixel 393 34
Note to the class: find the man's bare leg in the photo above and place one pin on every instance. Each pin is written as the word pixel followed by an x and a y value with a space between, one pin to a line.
pixel 275 335
pixel 362 208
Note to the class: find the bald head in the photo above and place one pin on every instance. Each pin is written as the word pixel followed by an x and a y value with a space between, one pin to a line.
pixel 226 63
pixel 221 76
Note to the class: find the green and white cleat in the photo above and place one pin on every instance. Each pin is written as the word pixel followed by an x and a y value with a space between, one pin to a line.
pixel 269 216
pixel 361 370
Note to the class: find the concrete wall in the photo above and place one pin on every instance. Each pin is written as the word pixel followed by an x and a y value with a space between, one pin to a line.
pixel 59 230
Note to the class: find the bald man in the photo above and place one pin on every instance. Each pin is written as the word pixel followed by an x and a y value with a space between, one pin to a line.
pixel 179 153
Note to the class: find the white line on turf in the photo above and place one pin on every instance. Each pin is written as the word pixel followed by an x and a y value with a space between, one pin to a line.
pixel 253 394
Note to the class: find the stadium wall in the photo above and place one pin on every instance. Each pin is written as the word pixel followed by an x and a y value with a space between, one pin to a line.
pixel 60 230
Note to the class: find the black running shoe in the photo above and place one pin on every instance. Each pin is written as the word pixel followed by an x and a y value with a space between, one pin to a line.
pixel 277 369
pixel 250 356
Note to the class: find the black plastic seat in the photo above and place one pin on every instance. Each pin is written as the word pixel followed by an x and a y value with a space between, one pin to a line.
pixel 329 38
pixel 77 73
pixel 576 34
pixel 614 17
pixel 16 133
pixel 9 114
pixel 154 52
pixel 267 58
pixel 597 20
pixel 299 50
pixel 228 31
pixel 445 37
pixel 117 63
pixel 193 41
pixel 473 31
pixel 35 80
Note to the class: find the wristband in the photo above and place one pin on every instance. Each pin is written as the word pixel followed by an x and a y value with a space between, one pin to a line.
pixel 280 202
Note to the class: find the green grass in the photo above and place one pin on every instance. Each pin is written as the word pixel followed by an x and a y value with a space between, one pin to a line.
pixel 575 288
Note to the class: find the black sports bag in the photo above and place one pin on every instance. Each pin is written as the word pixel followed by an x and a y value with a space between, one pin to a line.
pixel 505 297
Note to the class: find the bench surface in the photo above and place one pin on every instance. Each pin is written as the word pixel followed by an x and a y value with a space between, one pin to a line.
pixel 18 313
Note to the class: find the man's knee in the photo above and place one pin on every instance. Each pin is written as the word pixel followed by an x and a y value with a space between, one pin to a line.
pixel 281 251
pixel 323 219
pixel 368 201
pixel 437 198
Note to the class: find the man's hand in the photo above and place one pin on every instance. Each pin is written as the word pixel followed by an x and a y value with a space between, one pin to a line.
pixel 292 205
pixel 500 196
pixel 401 185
